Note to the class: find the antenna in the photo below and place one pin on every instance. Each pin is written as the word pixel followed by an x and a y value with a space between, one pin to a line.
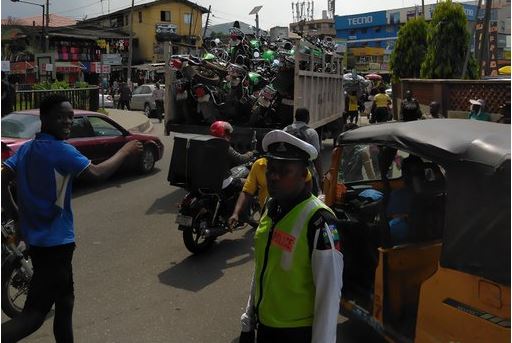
pixel 293 12
pixel 297 9
pixel 312 10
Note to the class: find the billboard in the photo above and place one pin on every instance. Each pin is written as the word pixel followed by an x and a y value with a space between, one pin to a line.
pixel 361 20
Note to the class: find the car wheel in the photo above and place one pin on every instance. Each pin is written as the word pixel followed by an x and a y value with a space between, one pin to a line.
pixel 147 160
pixel 147 110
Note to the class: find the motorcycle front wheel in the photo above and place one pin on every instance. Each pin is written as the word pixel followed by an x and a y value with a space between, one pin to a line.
pixel 14 289
pixel 194 237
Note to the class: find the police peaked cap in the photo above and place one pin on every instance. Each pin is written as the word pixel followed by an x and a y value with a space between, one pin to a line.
pixel 280 145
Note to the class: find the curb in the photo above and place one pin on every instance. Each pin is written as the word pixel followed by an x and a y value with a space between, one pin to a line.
pixel 143 128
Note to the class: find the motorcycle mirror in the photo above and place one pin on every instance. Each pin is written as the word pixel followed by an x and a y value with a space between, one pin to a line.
pixel 216 40
pixel 256 54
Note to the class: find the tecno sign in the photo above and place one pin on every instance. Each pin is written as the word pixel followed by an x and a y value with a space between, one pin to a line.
pixel 360 20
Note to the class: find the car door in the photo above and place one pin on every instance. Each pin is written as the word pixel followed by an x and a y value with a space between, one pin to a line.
pixel 146 96
pixel 108 138
pixel 82 138
pixel 135 102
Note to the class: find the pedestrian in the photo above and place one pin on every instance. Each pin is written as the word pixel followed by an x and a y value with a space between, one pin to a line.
pixel 158 96
pixel 434 111
pixel 8 95
pixel 477 110
pixel 410 108
pixel 124 96
pixel 380 108
pixel 43 170
pixel 297 281
pixel 352 107
pixel 505 113
pixel 301 130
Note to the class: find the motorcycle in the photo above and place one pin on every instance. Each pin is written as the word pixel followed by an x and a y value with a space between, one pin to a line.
pixel 203 216
pixel 17 271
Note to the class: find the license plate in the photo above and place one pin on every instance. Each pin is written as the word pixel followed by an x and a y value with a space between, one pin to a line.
pixel 263 102
pixel 184 220
pixel 204 98
pixel 181 96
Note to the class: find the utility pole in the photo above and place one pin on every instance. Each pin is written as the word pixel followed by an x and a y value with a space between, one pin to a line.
pixel 485 38
pixel 47 39
pixel 207 22
pixel 255 10
pixel 169 85
pixel 472 41
pixel 423 8
pixel 130 47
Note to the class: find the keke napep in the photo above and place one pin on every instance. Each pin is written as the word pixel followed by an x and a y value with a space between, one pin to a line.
pixel 443 274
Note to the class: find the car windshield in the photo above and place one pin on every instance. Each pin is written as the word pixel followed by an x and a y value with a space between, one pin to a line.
pixel 20 125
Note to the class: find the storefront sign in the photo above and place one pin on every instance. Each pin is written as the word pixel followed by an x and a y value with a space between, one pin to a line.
pixel 361 20
pixel 48 67
pixel 6 65
pixel 493 41
pixel 112 59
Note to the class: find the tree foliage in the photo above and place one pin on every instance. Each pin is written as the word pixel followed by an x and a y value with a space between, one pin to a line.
pixel 410 49
pixel 447 43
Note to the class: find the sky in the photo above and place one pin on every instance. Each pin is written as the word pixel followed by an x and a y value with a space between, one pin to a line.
pixel 273 13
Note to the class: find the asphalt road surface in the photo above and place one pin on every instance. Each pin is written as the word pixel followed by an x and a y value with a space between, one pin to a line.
pixel 136 282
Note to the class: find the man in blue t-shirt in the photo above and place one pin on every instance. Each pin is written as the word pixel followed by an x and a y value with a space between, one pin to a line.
pixel 43 170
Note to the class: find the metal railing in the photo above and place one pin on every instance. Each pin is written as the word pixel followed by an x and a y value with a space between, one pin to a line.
pixel 80 98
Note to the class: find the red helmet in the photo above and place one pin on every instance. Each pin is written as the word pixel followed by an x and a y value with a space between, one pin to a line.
pixel 221 129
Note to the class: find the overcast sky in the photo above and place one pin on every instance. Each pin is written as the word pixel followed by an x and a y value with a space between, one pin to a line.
pixel 274 12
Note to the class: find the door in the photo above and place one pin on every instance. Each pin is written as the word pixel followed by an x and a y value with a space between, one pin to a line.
pixel 108 137
pixel 82 138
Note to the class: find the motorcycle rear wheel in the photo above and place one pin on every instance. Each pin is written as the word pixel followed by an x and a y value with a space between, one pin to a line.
pixel 14 289
pixel 193 237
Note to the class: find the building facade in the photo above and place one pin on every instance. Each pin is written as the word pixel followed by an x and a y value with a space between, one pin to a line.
pixel 371 37
pixel 177 20
pixel 278 32
pixel 318 27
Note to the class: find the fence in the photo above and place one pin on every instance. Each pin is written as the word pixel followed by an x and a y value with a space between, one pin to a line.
pixel 453 95
pixel 80 98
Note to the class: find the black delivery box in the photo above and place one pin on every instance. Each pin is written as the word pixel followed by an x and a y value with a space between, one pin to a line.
pixel 198 162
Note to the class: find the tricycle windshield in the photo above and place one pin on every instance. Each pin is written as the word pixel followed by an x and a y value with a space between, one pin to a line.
pixel 360 163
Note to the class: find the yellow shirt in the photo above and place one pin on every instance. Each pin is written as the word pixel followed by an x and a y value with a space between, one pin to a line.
pixel 352 103
pixel 257 181
pixel 382 100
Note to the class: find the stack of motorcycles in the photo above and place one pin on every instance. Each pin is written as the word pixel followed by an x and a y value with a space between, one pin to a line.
pixel 248 83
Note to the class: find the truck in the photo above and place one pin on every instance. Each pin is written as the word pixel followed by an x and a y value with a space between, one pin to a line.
pixel 317 86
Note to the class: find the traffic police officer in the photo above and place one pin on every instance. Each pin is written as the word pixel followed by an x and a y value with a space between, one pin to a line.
pixel 296 287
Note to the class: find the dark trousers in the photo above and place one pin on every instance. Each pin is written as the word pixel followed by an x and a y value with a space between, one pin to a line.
pixel 52 283
pixel 353 116
pixel 381 114
pixel 267 334
pixel 123 103
pixel 159 109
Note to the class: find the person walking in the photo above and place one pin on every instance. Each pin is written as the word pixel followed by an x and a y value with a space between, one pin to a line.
pixel 125 94
pixel 301 130
pixel 410 108
pixel 352 107
pixel 158 96
pixel 296 287
pixel 380 109
pixel 43 170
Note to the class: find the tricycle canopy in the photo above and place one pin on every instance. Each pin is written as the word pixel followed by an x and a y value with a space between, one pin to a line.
pixel 476 158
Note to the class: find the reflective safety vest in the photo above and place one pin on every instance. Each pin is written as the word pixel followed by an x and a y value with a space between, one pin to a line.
pixel 284 287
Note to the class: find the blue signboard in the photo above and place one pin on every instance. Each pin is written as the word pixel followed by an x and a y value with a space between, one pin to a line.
pixel 361 20
pixel 470 11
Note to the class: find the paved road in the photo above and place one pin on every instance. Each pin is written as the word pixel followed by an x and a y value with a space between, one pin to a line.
pixel 136 282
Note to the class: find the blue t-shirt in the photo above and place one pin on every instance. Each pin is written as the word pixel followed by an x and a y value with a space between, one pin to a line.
pixel 45 168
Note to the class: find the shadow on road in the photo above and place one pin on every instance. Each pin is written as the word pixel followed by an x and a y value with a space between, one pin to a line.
pixel 353 331
pixel 168 203
pixel 198 271
pixel 117 180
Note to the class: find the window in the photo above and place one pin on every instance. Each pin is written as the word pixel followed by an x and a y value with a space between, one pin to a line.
pixel 103 128
pixel 165 15
pixel 359 163
pixel 140 17
pixel 125 20
pixel 364 31
pixel 187 18
pixel 81 128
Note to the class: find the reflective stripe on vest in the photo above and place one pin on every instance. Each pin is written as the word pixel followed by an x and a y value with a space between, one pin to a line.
pixel 288 287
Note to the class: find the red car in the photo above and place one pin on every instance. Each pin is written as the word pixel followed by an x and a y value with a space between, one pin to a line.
pixel 95 135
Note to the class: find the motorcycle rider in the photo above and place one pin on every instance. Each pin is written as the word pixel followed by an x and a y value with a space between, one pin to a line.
pixel 296 287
